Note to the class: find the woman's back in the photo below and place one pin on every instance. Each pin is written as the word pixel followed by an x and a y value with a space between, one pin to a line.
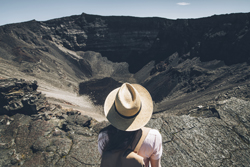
pixel 151 148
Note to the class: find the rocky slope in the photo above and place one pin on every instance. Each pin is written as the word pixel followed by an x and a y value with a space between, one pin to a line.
pixel 212 135
pixel 197 71
pixel 47 136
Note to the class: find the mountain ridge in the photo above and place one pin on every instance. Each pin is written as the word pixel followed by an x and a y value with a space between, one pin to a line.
pixel 90 31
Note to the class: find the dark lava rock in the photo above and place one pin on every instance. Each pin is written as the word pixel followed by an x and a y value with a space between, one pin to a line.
pixel 98 89
pixel 47 136
pixel 212 135
pixel 216 135
pixel 37 141
pixel 19 96
pixel 195 78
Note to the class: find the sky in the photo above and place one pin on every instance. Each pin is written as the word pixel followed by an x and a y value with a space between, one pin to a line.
pixel 15 11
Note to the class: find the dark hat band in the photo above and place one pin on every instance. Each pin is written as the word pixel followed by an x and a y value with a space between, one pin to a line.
pixel 126 117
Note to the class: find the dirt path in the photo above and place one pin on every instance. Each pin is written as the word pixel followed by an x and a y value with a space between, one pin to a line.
pixel 69 100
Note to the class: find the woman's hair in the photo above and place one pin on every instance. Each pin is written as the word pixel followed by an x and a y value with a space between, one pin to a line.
pixel 118 139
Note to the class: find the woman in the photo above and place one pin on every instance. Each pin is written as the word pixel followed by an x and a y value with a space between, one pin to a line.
pixel 128 109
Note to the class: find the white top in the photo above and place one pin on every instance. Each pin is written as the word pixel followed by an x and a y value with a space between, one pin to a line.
pixel 150 148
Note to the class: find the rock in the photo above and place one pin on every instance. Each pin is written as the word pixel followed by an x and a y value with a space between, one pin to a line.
pixel 99 126
pixel 98 89
pixel 84 152
pixel 83 120
pixel 20 136
pixel 212 135
pixel 195 140
pixel 29 141
pixel 19 96
pixel 40 144
pixel 62 145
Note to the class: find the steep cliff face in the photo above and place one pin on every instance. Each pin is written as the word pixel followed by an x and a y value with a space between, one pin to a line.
pixel 140 40
pixel 120 39
pixel 137 41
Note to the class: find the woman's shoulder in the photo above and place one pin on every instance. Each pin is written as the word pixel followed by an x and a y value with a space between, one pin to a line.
pixel 151 146
pixel 102 134
pixel 153 136
pixel 154 132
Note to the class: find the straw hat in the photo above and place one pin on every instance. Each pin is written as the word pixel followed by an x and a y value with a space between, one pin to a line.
pixel 128 107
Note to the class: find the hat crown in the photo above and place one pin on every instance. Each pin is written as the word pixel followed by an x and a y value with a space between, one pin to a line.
pixel 127 101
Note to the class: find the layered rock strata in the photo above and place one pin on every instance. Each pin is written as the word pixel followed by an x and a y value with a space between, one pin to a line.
pixel 136 41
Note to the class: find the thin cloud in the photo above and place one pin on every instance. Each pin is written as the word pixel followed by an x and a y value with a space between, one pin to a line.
pixel 183 3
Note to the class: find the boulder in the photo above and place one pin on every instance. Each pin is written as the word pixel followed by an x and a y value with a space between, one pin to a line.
pixel 20 96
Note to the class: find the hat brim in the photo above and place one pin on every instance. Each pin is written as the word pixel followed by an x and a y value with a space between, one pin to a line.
pixel 129 124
